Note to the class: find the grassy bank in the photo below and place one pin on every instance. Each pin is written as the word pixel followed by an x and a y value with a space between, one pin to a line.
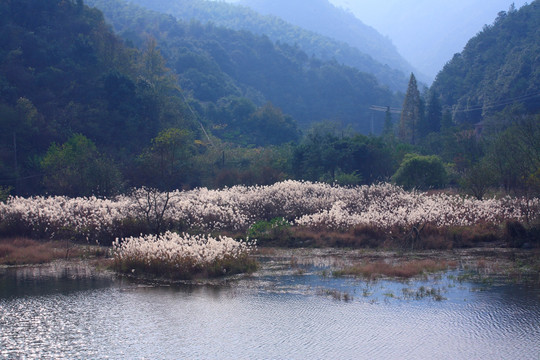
pixel 403 269
pixel 512 234
pixel 24 251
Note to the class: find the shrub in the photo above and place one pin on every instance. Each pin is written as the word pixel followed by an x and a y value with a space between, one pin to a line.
pixel 4 193
pixel 276 231
pixel 421 172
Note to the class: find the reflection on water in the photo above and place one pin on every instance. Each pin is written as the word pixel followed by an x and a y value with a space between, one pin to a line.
pixel 277 314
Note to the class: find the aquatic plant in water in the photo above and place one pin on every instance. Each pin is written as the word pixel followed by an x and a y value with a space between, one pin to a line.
pixel 183 256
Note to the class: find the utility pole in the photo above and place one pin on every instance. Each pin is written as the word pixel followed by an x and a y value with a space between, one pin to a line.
pixel 386 109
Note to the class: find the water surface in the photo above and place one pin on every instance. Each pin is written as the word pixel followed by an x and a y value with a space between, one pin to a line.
pixel 290 313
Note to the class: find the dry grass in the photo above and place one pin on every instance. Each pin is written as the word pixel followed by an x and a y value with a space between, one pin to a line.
pixel 20 251
pixel 430 237
pixel 404 270
pixel 24 251
pixel 363 237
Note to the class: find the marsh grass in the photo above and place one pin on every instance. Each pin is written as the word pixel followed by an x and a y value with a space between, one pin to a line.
pixel 335 294
pixel 24 251
pixel 521 267
pixel 173 256
pixel 185 268
pixel 423 292
pixel 403 270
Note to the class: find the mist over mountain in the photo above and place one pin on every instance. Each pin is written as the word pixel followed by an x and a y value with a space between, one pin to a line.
pixel 216 64
pixel 324 18
pixel 237 17
pixel 427 32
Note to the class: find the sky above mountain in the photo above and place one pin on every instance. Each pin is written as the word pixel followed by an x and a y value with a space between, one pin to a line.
pixel 427 33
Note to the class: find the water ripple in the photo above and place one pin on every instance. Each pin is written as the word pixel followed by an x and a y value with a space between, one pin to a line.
pixel 284 316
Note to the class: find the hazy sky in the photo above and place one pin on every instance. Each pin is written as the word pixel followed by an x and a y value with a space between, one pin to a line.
pixel 427 32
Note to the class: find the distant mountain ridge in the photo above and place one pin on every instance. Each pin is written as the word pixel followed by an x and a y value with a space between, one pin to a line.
pixel 427 32
pixel 326 19
pixel 243 18
pixel 215 64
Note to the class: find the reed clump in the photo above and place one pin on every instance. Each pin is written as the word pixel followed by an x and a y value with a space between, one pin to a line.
pixel 183 256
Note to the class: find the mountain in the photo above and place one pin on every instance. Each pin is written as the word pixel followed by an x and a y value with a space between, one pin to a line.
pixel 62 73
pixel 313 44
pixel 427 32
pixel 499 67
pixel 217 65
pixel 322 17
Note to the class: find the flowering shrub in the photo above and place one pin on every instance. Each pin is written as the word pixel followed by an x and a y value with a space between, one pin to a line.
pixel 315 206
pixel 182 256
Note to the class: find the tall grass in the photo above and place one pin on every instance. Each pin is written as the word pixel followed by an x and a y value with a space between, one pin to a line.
pixel 24 251
pixel 183 256
pixel 382 211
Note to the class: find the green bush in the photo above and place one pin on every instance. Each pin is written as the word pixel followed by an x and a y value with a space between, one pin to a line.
pixel 421 172
pixel 276 231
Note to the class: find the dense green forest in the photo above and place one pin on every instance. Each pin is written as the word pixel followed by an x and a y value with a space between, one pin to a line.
pixel 497 68
pixel 84 113
pixel 388 69
pixel 171 104
pixel 63 73
pixel 216 63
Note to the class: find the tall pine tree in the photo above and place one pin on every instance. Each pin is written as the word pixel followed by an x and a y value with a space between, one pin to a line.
pixel 411 113
pixel 434 112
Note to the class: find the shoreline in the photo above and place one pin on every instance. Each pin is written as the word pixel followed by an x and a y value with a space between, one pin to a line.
pixel 482 264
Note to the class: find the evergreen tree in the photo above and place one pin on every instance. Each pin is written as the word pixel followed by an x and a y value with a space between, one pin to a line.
pixel 434 112
pixel 411 114
pixel 446 120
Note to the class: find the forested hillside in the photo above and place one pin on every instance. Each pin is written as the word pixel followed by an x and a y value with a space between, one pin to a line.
pixel 322 17
pixel 215 63
pixel 313 44
pixel 63 72
pixel 180 105
pixel 498 68
pixel 82 113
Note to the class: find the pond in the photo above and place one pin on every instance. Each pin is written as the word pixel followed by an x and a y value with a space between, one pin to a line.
pixel 289 309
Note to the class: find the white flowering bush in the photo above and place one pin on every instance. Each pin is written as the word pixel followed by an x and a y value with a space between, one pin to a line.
pixel 316 206
pixel 183 256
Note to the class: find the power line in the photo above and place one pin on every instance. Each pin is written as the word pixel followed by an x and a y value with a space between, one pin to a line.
pixel 502 103
pixel 385 109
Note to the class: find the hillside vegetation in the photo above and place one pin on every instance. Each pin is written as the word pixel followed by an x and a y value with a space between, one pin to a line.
pixel 498 68
pixel 320 16
pixel 216 63
pixel 366 58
